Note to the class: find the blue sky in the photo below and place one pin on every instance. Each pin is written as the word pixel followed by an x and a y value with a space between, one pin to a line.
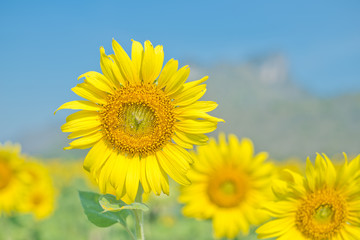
pixel 45 45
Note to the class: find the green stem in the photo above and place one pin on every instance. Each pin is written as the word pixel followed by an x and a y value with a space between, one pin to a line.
pixel 130 233
pixel 139 216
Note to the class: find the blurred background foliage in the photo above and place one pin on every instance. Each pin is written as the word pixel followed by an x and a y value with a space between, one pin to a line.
pixel 68 221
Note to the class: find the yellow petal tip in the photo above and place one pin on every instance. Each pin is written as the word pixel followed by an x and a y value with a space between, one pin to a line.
pixel 102 50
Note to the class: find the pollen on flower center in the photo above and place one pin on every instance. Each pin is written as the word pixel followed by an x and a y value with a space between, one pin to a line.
pixel 227 187
pixel 322 214
pixel 138 119
pixel 5 175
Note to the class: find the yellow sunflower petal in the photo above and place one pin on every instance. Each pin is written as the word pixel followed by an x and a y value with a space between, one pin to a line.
pixel 119 79
pixel 81 120
pixel 310 175
pixel 126 66
pixel 196 139
pixel 220 225
pixel 192 84
pixel 178 174
pixel 164 180
pixel 292 233
pixel 133 178
pixel 152 62
pixel 233 142
pixel 352 232
pixel 118 177
pixel 82 133
pixel 137 53
pixel 99 81
pixel 89 92
pixel 177 80
pixel 159 56
pixel 169 70
pixel 143 176
pixel 180 153
pixel 330 173
pixel 243 225
pixel 196 126
pixel 225 224
pixel 194 114
pixel 181 143
pixel 203 106
pixel 190 96
pixel 281 208
pixel 110 70
pixel 100 149
pixel 106 172
pixel 79 125
pixel 80 104
pixel 86 141
pixel 275 228
pixel 84 114
pixel 153 174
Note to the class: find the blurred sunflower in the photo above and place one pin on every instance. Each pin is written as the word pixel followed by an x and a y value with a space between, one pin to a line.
pixel 66 173
pixel 322 205
pixel 229 185
pixel 137 119
pixel 39 195
pixel 11 186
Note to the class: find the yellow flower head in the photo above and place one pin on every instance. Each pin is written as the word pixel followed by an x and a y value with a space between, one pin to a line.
pixel 323 205
pixel 137 119
pixel 229 185
pixel 39 196
pixel 11 186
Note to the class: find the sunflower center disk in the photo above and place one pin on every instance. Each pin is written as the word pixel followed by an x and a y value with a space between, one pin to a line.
pixel 5 175
pixel 227 188
pixel 37 199
pixel 321 215
pixel 324 214
pixel 138 120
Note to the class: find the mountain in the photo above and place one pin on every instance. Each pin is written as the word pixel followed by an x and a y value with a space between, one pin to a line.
pixel 277 115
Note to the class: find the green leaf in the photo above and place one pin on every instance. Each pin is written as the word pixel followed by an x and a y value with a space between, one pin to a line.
pixel 110 204
pixel 95 212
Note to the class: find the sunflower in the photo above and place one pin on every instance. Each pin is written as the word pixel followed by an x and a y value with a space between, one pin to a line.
pixel 39 200
pixel 138 119
pixel 229 184
pixel 11 186
pixel 322 205
pixel 39 195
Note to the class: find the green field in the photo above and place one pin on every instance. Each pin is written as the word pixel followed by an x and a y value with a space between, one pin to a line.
pixel 164 220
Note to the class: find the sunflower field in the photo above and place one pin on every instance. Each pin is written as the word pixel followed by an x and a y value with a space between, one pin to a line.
pixel 143 146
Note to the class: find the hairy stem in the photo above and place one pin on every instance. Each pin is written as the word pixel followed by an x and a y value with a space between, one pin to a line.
pixel 139 216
